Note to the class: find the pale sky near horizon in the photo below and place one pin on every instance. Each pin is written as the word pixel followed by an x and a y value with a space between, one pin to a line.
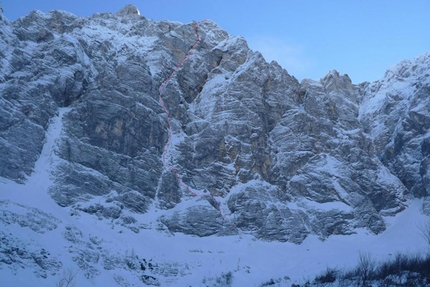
pixel 307 38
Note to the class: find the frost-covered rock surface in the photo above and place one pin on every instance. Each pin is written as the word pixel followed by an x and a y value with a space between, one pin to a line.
pixel 396 114
pixel 256 152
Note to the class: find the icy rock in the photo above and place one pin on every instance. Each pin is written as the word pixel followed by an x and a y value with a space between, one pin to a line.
pixel 169 193
pixel 128 10
pixel 17 253
pixel 198 220
pixel 263 210
pixel 33 218
pixel 426 206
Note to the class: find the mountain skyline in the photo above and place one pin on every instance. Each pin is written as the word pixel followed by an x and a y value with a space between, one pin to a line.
pixel 308 39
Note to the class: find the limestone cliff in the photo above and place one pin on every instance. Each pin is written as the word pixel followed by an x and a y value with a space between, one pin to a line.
pixel 267 155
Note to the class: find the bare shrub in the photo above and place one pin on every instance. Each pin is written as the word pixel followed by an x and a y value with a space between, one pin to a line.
pixel 329 276
pixel 68 278
pixel 366 267
pixel 424 229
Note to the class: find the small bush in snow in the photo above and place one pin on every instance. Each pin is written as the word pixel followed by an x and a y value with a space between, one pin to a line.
pixel 329 276
pixel 67 279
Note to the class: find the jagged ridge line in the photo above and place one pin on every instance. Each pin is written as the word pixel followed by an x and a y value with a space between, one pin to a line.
pixel 167 148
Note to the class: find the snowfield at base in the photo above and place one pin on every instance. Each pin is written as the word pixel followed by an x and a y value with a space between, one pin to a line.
pixel 250 261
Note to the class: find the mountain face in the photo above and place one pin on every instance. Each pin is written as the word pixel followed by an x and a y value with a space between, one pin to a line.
pixel 244 148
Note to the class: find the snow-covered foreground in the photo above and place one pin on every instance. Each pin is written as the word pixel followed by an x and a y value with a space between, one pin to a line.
pixel 251 262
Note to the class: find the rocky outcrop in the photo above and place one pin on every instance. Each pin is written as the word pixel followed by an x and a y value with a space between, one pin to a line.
pixel 269 156
pixel 18 252
pixel 22 114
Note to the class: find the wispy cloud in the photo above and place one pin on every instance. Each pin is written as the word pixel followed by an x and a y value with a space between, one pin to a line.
pixel 290 56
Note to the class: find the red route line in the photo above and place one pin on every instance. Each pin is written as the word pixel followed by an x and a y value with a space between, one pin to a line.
pixel 169 141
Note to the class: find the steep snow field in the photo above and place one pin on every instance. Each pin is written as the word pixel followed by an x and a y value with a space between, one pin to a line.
pixel 191 261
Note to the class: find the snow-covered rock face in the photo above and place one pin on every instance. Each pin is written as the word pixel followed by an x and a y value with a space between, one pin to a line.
pixel 279 159
pixel 396 114
pixel 251 151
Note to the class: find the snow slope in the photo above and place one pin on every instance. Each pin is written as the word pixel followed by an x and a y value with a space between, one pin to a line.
pixel 178 259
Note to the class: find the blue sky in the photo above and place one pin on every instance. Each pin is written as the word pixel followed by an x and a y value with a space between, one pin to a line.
pixel 308 38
